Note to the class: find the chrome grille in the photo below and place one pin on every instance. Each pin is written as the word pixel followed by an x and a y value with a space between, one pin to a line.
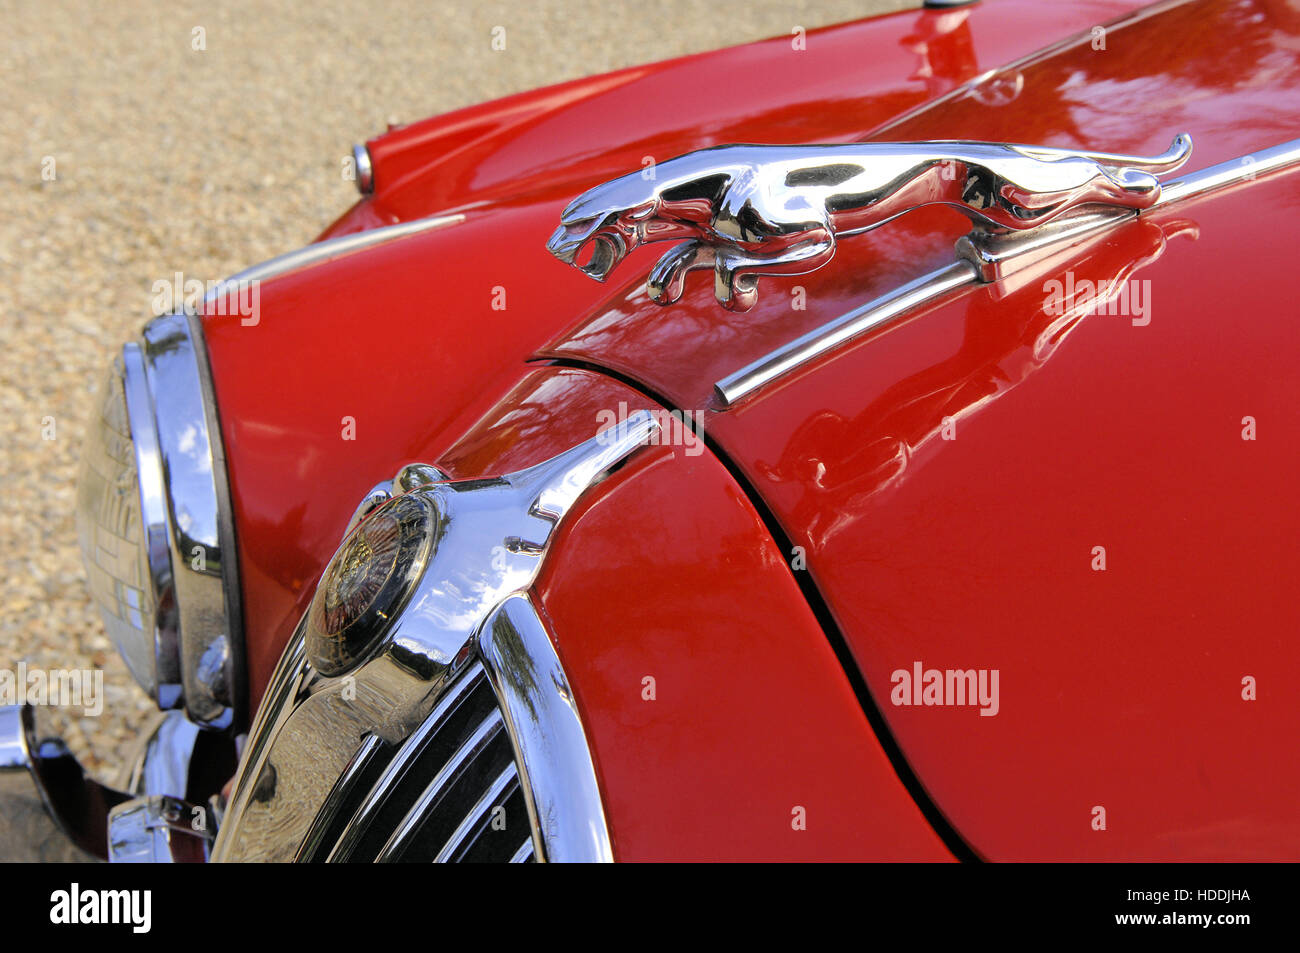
pixel 483 758
pixel 450 792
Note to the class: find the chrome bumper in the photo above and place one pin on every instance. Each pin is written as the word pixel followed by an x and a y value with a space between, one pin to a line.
pixel 52 810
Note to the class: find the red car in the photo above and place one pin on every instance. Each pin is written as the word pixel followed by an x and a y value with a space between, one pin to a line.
pixel 953 518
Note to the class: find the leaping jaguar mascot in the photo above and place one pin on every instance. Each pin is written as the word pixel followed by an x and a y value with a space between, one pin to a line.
pixel 750 210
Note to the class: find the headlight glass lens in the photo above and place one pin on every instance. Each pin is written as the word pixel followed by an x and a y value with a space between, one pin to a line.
pixel 112 535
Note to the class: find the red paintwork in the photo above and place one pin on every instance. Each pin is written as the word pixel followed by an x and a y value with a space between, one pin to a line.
pixel 666 571
pixel 1118 688
pixel 553 143
pixel 293 480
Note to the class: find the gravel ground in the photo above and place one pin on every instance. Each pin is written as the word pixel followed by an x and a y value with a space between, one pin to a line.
pixel 168 158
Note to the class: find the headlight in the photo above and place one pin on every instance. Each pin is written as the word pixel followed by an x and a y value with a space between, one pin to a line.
pixel 115 551
pixel 154 520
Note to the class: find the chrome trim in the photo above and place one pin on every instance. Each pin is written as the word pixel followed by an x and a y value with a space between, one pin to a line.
pixel 188 528
pixel 745 211
pixel 161 680
pixel 1232 172
pixel 161 762
pixel 554 758
pixel 327 250
pixel 157 830
pixel 284 684
pixel 497 791
pixel 212 668
pixel 480 738
pixel 491 537
pixel 396 769
pixel 988 256
pixel 365 169
pixel 51 809
pixel 807 347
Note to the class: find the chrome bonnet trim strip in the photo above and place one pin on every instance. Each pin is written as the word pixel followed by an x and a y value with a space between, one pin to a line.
pixel 752 377
pixel 328 250
pixel 1245 168
pixel 988 257
pixel 996 255
pixel 555 765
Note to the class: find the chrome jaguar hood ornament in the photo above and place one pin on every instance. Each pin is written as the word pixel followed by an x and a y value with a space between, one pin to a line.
pixel 751 210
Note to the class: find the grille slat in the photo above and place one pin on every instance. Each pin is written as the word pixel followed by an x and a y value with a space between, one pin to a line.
pixel 459 762
pixel 495 839
pixel 362 772
pixel 524 854
pixel 449 776
pixel 479 816
pixel 356 840
pixel 450 792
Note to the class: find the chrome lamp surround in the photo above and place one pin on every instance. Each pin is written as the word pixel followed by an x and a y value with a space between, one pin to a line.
pixel 156 528
pixel 328 752
pixel 365 170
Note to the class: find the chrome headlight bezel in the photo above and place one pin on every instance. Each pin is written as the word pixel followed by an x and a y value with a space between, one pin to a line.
pixel 187 558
